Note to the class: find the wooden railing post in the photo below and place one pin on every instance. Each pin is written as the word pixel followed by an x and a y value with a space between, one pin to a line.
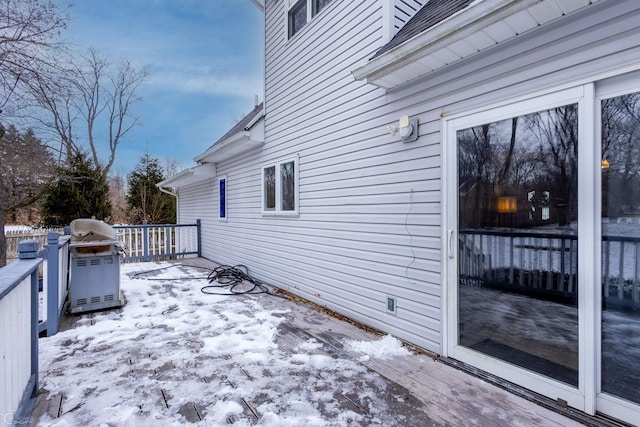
pixel 199 236
pixel 145 241
pixel 53 273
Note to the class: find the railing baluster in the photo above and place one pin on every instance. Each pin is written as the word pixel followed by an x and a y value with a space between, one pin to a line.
pixel 563 249
pixel 481 265
pixel 572 265
pixel 636 283
pixel 621 272
pixel 511 259
pixel 462 259
pixel 549 264
pixel 605 267
pixel 522 261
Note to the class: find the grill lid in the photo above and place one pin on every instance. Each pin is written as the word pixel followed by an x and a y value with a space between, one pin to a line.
pixel 91 230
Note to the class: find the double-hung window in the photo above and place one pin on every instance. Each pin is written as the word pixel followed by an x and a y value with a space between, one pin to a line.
pixel 280 188
pixel 300 12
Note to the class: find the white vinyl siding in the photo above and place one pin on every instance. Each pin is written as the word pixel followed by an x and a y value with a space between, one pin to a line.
pixel 396 13
pixel 403 10
pixel 362 234
pixel 370 212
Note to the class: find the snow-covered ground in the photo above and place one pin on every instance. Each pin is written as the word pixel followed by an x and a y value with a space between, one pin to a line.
pixel 173 348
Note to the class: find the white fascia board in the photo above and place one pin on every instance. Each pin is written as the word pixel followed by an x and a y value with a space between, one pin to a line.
pixel 189 176
pixel 251 137
pixel 255 120
pixel 472 19
pixel 222 146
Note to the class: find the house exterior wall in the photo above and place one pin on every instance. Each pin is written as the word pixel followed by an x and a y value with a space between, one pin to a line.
pixel 369 224
pixel 404 10
pixel 199 201
pixel 396 13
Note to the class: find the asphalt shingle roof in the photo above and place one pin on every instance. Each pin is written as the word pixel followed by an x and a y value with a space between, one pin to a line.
pixel 432 13
pixel 241 125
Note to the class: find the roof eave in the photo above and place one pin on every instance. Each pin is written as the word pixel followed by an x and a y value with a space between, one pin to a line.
pixel 476 16
pixel 189 176
pixel 245 140
pixel 234 139
pixel 255 120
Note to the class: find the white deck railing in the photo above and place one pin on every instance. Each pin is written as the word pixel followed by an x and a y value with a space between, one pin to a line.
pixel 147 242
pixel 55 280
pixel 18 339
pixel 546 263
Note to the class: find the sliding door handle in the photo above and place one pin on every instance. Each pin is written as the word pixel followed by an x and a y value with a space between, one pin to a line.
pixel 450 244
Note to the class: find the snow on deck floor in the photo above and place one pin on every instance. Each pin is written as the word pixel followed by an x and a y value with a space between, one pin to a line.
pixel 174 355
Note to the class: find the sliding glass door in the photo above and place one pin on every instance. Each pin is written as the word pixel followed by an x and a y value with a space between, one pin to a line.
pixel 518 239
pixel 514 243
pixel 619 112
pixel 543 229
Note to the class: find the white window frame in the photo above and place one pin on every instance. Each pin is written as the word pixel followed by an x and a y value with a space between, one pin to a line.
pixel 311 13
pixel 226 198
pixel 278 211
pixel 575 396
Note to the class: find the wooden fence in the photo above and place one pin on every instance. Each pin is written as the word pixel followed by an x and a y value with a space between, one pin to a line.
pixel 15 236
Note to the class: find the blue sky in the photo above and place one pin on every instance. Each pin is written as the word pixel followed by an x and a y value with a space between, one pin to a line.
pixel 204 64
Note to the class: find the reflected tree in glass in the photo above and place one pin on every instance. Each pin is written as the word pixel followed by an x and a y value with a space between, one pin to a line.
pixel 269 177
pixel 517 264
pixel 287 181
pixel 621 246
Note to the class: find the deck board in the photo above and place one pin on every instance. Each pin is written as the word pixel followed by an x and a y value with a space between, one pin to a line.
pixel 418 388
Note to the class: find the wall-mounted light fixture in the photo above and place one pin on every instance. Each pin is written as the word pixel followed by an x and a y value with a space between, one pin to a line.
pixel 406 127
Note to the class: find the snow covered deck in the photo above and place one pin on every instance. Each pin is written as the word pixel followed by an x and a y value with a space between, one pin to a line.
pixel 174 355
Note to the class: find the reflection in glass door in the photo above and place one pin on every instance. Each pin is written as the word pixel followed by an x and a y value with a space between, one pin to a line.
pixel 517 241
pixel 620 358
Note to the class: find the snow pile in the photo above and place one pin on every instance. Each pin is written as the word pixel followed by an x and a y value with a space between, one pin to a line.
pixel 174 356
pixel 385 348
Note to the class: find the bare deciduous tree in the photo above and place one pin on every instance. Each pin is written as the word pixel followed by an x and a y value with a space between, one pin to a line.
pixel 29 31
pixel 118 197
pixel 173 167
pixel 89 106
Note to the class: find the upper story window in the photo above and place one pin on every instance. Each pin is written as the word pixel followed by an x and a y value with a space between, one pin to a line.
pixel 302 11
pixel 318 5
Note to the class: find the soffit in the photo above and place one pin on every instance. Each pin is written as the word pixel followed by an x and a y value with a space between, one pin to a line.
pixel 479 26
pixel 189 176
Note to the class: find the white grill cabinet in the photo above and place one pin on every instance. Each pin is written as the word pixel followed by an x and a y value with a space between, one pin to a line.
pixel 94 276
